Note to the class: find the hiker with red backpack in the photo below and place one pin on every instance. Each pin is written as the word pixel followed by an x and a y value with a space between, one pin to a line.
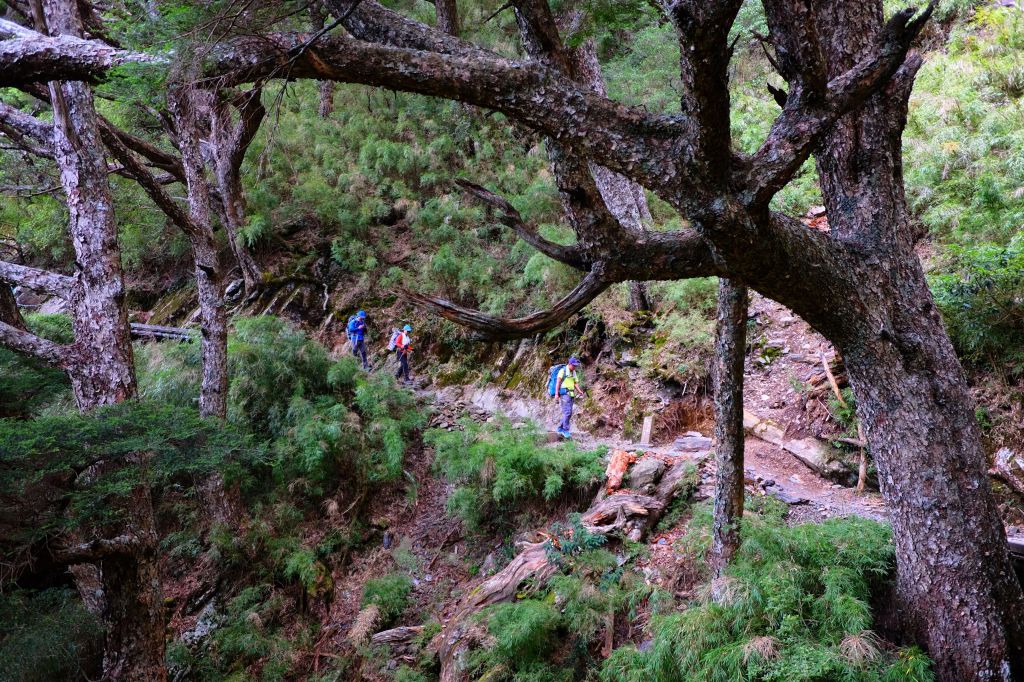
pixel 564 384
pixel 401 343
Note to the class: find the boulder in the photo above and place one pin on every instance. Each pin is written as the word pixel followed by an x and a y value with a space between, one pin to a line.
pixel 645 473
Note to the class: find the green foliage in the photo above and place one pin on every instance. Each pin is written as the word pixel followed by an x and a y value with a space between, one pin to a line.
pixel 680 349
pixel 980 295
pixel 249 635
pixel 45 635
pixel 965 133
pixel 499 469
pixel 43 454
pixel 794 605
pixel 389 593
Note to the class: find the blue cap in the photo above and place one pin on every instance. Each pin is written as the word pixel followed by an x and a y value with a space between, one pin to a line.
pixel 407 328
pixel 573 361
pixel 361 313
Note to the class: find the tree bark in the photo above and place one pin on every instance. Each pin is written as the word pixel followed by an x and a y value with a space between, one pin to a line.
pixel 730 347
pixel 104 372
pixel 9 313
pixel 326 88
pixel 448 17
pixel 229 142
pixel 209 277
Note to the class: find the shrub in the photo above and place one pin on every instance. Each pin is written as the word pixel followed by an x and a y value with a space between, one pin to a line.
pixel 794 605
pixel 390 594
pixel 498 469
pixel 980 295
pixel 45 635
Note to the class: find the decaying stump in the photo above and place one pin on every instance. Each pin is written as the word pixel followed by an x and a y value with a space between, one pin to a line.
pixel 625 512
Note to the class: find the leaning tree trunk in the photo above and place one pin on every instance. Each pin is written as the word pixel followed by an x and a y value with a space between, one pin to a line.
pixel 103 371
pixel 956 591
pixel 209 278
pixel 730 346
pixel 229 143
pixel 326 88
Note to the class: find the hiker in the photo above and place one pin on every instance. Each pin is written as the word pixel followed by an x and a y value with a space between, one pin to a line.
pixel 568 383
pixel 357 336
pixel 403 346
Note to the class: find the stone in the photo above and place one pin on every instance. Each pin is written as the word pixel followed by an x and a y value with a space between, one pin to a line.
pixel 645 472
pixel 781 495
pixel 693 443
pixel 490 565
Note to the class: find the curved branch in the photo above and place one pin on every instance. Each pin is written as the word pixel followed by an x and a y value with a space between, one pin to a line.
pixel 39 280
pixel 510 218
pixel 503 329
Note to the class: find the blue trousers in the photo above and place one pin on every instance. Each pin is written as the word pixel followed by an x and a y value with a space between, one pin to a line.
pixel 566 401
pixel 359 350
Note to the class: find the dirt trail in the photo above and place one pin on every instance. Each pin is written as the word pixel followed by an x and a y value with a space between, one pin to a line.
pixel 772 390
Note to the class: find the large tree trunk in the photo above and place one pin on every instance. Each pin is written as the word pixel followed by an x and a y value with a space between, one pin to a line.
pixel 956 592
pixel 209 278
pixel 103 372
pixel 730 346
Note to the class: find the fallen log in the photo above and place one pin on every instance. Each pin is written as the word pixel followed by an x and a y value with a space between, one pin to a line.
pixel 628 512
pixel 154 331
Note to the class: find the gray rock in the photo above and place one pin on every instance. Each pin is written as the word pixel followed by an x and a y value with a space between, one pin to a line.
pixel 693 443
pixel 645 472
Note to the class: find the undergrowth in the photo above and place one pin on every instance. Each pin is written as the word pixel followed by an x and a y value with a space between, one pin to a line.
pixel 499 469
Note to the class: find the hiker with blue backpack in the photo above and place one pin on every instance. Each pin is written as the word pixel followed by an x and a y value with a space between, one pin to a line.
pixel 356 331
pixel 564 384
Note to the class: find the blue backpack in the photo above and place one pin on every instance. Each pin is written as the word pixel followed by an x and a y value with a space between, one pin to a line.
pixel 553 379
pixel 350 330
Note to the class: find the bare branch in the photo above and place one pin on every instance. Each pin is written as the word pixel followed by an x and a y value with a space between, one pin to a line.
pixel 31 57
pixel 34 346
pixel 39 280
pixel 510 217
pixel 99 548
pixel 497 328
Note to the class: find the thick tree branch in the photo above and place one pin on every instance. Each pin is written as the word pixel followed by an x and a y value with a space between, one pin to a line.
pixel 510 218
pixel 802 124
pixel 39 280
pixel 34 346
pixel 703 30
pixel 126 545
pixel 497 328
pixel 30 57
